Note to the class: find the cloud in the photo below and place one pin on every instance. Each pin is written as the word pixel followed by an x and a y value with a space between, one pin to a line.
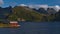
pixel 1 2
pixel 31 6
pixel 34 6
pixel 56 7
pixel 38 6
pixel 23 5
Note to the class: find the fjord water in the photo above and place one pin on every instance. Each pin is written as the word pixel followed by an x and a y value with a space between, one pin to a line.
pixel 33 28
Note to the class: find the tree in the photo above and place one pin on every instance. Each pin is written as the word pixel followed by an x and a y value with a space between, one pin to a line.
pixel 13 17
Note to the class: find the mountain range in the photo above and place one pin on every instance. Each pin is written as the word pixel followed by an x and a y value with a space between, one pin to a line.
pixel 29 14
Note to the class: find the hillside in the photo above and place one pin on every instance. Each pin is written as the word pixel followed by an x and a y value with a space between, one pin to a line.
pixel 20 13
pixel 27 14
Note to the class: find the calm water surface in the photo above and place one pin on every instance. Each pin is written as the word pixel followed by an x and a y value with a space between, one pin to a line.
pixel 33 28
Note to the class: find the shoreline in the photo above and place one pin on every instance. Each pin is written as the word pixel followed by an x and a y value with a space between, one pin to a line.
pixel 8 25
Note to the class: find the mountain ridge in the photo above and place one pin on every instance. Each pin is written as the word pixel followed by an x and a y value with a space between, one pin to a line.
pixel 28 14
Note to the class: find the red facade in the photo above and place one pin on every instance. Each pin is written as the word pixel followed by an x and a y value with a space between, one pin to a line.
pixel 14 24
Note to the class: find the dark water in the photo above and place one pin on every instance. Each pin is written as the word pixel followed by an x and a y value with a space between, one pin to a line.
pixel 33 28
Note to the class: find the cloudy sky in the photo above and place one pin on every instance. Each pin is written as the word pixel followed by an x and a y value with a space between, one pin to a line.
pixel 6 3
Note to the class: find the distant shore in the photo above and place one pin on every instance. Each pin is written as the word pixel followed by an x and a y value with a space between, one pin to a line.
pixel 2 25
